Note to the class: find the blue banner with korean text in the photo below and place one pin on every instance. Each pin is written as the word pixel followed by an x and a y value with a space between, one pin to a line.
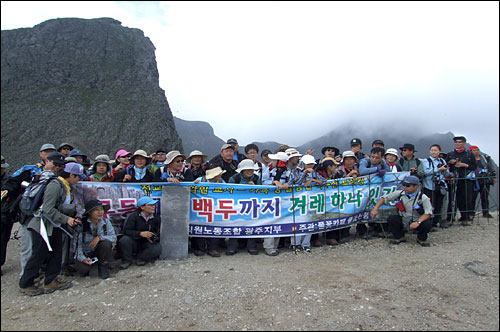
pixel 232 210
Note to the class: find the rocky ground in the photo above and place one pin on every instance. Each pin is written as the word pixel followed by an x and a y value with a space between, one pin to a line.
pixel 361 285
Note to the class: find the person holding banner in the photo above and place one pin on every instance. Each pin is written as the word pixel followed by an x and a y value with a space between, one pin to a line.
pixel 141 234
pixel 414 212
pixel 225 161
pixel 46 233
pixel 137 171
pixel 174 169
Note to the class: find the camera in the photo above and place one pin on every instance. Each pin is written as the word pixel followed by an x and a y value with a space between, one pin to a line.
pixel 155 238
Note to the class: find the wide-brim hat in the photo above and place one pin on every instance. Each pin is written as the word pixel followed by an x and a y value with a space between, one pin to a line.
pixel 94 203
pixel 337 151
pixel 291 152
pixel 197 153
pixel 102 158
pixel 47 147
pixel 282 156
pixel 246 164
pixel 75 152
pixel 140 153
pixel 347 154
pixel 212 173
pixel 393 152
pixel 408 146
pixel 71 147
pixel 172 155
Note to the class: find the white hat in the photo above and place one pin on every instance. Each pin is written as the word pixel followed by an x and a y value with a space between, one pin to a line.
pixel 278 156
pixel 246 164
pixel 393 152
pixel 291 152
pixel 307 159
pixel 172 155
pixel 349 153
pixel 140 153
pixel 197 153
pixel 212 173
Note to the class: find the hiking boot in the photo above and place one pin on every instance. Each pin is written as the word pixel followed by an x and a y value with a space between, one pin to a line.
pixel 487 215
pixel 271 252
pixel 307 249
pixel 398 241
pixel 444 224
pixel 465 223
pixel 124 265
pixel 199 253
pixel 433 229
pixel 32 290
pixel 332 242
pixel 103 271
pixel 423 243
pixel 140 262
pixel 253 252
pixel 57 284
pixel 230 252
pixel 214 253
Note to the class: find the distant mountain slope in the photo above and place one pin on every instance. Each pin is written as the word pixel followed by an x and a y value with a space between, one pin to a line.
pixel 198 135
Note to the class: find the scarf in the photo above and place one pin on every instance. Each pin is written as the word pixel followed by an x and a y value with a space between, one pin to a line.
pixel 139 173
pixel 459 150
pixel 66 184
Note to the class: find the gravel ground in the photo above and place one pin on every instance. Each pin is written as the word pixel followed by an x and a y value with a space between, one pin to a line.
pixel 361 285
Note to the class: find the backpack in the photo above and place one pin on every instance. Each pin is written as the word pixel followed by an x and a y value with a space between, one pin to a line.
pixel 32 198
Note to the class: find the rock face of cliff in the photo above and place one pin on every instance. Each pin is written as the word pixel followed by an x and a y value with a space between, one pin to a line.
pixel 92 83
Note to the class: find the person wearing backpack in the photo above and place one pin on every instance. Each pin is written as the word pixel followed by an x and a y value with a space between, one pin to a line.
pixel 408 161
pixel 434 184
pixel 486 177
pixel 414 212
pixel 174 170
pixel 46 233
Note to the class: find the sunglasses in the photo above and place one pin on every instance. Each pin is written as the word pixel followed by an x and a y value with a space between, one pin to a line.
pixel 179 161
pixel 407 185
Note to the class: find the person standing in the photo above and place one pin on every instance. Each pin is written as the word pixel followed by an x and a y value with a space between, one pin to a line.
pixel 46 233
pixel 461 162
pixel 435 171
pixel 486 176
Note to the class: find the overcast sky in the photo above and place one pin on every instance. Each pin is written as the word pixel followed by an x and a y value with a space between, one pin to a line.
pixel 291 72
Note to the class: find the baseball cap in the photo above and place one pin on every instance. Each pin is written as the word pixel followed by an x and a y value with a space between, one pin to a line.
pixel 74 168
pixel 408 146
pixel 57 158
pixel 232 140
pixel 459 138
pixel 145 200
pixel 378 141
pixel 226 146
pixel 356 141
pixel 411 179
pixel 122 153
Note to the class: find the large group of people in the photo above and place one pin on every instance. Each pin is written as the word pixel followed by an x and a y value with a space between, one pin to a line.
pixel 457 178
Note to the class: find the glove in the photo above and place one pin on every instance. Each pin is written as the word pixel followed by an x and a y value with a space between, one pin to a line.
pixel 381 172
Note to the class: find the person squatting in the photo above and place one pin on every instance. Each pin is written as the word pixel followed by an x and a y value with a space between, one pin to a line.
pixel 56 241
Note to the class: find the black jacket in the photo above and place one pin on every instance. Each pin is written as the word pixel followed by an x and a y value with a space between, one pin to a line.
pixel 119 177
pixel 135 224
pixel 465 157
pixel 230 168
